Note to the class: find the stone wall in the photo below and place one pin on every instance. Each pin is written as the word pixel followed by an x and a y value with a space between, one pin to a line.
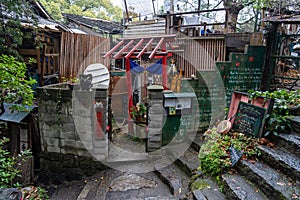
pixel 73 141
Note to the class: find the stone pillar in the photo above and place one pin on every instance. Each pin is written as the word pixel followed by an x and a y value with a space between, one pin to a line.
pixel 155 118
pixel 100 142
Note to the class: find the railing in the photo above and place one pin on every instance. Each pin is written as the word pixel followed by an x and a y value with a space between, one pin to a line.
pixel 170 26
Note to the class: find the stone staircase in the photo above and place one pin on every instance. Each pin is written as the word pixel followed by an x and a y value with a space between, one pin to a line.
pixel 276 175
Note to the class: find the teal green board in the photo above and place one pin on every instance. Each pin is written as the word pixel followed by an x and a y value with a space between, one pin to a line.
pixel 243 72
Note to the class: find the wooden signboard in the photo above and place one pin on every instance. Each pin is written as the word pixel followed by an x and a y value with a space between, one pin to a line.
pixel 249 119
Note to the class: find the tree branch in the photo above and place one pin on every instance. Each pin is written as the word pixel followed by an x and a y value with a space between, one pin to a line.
pixel 245 22
pixel 218 4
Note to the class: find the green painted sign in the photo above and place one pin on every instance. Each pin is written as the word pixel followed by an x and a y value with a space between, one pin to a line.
pixel 242 73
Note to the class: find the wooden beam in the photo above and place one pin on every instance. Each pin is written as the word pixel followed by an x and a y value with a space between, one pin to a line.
pixel 200 11
pixel 123 49
pixel 29 52
pixel 52 54
pixel 167 37
pixel 144 49
pixel 157 46
pixel 113 49
pixel 134 48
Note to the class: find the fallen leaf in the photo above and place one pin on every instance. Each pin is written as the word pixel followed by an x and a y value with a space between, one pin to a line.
pixel 281 183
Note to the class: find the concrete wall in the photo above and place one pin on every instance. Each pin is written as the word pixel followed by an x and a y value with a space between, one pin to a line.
pixel 72 141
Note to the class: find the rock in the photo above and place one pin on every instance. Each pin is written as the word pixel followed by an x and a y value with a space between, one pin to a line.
pixel 130 182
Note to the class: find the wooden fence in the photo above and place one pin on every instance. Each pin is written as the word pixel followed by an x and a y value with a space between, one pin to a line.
pixel 199 54
pixel 78 51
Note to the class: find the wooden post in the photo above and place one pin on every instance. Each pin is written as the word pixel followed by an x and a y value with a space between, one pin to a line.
pixel 129 95
pixel 164 67
pixel 168 23
pixel 268 67
pixel 126 9
pixel 263 19
pixel 172 16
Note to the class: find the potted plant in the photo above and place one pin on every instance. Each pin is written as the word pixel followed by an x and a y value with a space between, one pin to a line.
pixel 71 82
pixel 138 112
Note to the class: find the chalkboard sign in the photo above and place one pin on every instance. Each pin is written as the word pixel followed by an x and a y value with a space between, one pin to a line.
pixel 249 119
pixel 235 155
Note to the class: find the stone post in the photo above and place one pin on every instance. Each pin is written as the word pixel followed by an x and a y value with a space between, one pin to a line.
pixel 155 118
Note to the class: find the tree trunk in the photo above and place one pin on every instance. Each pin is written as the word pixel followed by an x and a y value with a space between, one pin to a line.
pixel 232 21
pixel 233 12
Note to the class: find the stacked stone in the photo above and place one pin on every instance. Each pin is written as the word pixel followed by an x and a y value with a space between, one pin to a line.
pixel 67 121
pixel 155 121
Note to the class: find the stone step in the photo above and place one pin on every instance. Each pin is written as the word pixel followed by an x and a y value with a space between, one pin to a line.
pixel 237 188
pixel 136 186
pixel 177 180
pixel 89 188
pixel 289 142
pixel 206 188
pixel 295 123
pixel 189 162
pixel 273 184
pixel 281 160
pixel 197 142
pixel 67 191
pixel 97 185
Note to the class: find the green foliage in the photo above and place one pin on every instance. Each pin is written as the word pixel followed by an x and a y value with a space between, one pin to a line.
pixel 35 193
pixel 214 154
pixel 13 82
pixel 9 167
pixel 138 110
pixel 279 118
pixel 10 25
pixel 103 9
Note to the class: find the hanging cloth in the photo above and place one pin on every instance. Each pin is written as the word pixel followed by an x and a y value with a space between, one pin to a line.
pixel 135 68
pixel 156 68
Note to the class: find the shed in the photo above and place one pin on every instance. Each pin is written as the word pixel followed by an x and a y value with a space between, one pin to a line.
pixel 22 131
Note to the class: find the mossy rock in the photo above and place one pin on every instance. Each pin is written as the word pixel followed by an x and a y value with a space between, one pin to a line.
pixel 199 184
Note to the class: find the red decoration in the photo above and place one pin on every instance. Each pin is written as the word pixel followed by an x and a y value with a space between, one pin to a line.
pixel 251 59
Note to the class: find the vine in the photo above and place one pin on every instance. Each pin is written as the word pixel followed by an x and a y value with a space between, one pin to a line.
pixel 278 121
pixel 214 155
pixel 58 108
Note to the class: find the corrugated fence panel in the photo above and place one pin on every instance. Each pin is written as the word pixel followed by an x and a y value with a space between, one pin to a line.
pixel 199 54
pixel 78 51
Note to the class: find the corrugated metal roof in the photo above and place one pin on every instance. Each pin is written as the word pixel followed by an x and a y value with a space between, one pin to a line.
pixel 14 116
pixel 102 25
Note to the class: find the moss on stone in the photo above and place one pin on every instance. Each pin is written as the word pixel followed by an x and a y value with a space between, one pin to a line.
pixel 199 184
